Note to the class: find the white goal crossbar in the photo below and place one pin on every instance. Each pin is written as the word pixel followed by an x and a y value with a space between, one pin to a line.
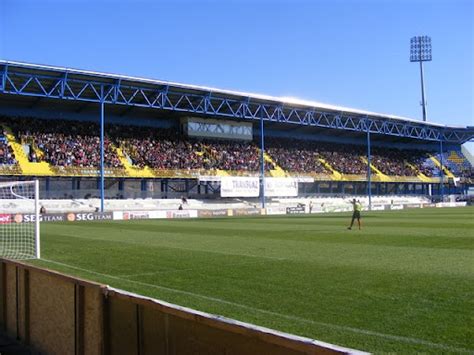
pixel 19 236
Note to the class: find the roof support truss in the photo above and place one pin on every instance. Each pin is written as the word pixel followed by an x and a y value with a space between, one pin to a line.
pixel 165 97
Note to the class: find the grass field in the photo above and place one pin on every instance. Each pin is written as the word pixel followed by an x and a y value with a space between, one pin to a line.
pixel 404 284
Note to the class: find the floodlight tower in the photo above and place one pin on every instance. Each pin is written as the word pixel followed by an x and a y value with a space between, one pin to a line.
pixel 420 51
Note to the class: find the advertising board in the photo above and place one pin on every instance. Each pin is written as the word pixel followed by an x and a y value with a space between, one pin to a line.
pixel 239 186
pixel 247 212
pixel 213 213
pixel 282 187
pixel 275 210
pixel 5 218
pixel 89 216
pixel 412 205
pixel 295 210
pixel 451 204
pixel 181 214
pixel 396 207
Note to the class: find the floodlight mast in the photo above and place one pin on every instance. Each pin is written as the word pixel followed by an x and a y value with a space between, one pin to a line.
pixel 420 51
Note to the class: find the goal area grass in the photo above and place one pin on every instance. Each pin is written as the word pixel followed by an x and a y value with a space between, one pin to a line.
pixel 404 283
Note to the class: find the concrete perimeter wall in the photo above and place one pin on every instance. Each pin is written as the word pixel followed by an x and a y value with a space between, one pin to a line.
pixel 59 314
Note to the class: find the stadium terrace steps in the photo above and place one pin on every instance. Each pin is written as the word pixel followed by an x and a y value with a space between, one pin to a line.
pixel 277 171
pixel 422 176
pixel 438 165
pixel 39 153
pixel 27 167
pixel 222 173
pixel 381 176
pixel 131 170
pixel 337 176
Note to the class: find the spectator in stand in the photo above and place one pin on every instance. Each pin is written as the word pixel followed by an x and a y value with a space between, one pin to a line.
pixel 6 154
pixel 79 147
pixel 77 144
pixel 165 149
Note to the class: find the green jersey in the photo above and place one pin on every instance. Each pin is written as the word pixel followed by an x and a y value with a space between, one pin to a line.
pixel 357 206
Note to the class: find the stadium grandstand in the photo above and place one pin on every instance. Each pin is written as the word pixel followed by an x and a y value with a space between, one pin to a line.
pixel 103 149
pixel 95 136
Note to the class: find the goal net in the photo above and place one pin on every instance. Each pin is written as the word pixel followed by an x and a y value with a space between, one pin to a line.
pixel 19 220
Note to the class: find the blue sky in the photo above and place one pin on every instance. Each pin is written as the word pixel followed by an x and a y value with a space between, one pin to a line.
pixel 353 53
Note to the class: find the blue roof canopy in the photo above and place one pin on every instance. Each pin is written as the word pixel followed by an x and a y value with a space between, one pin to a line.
pixel 31 80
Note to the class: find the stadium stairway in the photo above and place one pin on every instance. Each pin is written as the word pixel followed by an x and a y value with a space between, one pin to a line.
pixel 206 152
pixel 381 176
pixel 446 172
pixel 27 167
pixel 422 176
pixel 130 169
pixel 336 174
pixel 39 153
pixel 222 173
pixel 277 171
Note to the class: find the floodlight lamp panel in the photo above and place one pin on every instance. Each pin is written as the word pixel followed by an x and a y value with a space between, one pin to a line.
pixel 420 49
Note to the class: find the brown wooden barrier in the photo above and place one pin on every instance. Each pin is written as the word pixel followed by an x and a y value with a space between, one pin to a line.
pixel 59 314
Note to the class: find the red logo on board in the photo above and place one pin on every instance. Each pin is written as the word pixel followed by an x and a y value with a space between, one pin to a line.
pixel 5 218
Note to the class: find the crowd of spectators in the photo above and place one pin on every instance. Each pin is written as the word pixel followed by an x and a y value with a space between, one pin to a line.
pixel 163 153
pixel 6 152
pixel 295 155
pixel 305 156
pixel 243 156
pixel 468 174
pixel 158 148
pixel 400 162
pixel 76 144
pixel 63 143
pixel 161 148
pixel 344 158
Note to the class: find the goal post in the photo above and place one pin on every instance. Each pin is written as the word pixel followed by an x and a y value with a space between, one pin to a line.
pixel 19 220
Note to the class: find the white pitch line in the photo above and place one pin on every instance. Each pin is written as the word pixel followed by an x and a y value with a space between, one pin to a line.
pixel 398 338
pixel 179 248
pixel 151 273
pixel 190 269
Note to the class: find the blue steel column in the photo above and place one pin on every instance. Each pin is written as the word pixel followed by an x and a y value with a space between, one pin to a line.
pixel 102 156
pixel 369 176
pixel 262 160
pixel 4 78
pixel 441 173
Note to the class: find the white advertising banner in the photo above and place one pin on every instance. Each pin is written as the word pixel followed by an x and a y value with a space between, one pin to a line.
pixel 282 187
pixel 275 210
pixel 127 215
pixel 181 214
pixel 239 186
pixel 451 204
pixel 396 207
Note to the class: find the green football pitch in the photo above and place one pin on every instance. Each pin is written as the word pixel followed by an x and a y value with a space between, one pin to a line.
pixel 404 283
